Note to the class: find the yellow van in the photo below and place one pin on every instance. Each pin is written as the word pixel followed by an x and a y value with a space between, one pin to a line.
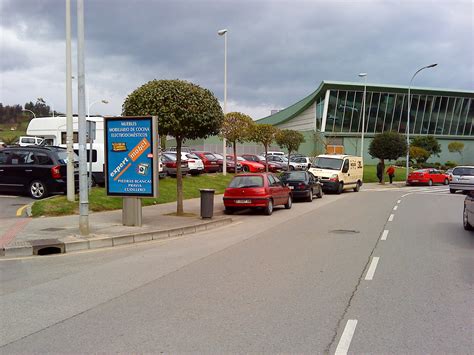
pixel 338 172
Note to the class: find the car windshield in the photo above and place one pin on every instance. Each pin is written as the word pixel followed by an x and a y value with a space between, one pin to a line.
pixel 62 156
pixel 294 176
pixel 246 181
pixel 463 171
pixel 218 156
pixel 327 163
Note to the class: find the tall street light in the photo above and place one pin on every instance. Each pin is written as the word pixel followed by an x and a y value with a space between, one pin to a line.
pixel 408 118
pixel 223 32
pixel 34 116
pixel 363 75
pixel 90 138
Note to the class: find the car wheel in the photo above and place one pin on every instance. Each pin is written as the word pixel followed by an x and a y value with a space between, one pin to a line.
pixel 269 208
pixel 320 193
pixel 310 195
pixel 38 190
pixel 357 187
pixel 289 203
pixel 245 169
pixel 446 181
pixel 465 221
pixel 453 191
pixel 430 183
pixel 292 167
pixel 340 188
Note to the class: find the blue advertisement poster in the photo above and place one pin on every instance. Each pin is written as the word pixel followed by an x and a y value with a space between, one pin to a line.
pixel 129 156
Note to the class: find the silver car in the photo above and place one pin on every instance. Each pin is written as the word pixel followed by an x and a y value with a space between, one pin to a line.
pixel 468 212
pixel 463 179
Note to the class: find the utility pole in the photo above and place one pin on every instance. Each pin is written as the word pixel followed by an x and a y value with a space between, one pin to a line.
pixel 81 85
pixel 69 125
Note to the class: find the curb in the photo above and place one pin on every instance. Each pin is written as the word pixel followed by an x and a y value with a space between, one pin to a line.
pixel 75 243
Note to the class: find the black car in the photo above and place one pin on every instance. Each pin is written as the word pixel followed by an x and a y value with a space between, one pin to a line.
pixel 39 171
pixel 303 184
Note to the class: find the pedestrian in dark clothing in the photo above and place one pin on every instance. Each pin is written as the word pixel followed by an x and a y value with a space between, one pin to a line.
pixel 391 172
pixel 380 171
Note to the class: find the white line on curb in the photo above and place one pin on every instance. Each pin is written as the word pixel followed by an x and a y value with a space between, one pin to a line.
pixel 346 338
pixel 395 208
pixel 373 265
pixel 390 219
pixel 384 235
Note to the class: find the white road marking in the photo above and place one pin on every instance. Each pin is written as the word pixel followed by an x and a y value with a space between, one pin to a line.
pixel 399 201
pixel 346 338
pixel 7 196
pixel 384 235
pixel 395 208
pixel 390 219
pixel 373 265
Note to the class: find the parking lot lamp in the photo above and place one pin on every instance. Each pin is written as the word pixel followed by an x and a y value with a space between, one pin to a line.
pixel 363 75
pixel 223 32
pixel 408 117
pixel 34 116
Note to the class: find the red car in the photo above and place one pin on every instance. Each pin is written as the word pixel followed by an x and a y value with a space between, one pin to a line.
pixel 273 167
pixel 261 190
pixel 249 166
pixel 427 176
pixel 210 161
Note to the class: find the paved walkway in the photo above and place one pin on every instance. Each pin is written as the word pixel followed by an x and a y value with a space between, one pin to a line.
pixel 33 236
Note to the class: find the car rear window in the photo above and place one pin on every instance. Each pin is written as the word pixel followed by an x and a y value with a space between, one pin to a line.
pixel 62 156
pixel 463 171
pixel 210 156
pixel 294 176
pixel 246 181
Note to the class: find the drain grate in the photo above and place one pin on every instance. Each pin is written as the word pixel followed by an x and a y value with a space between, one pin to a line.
pixel 52 229
pixel 344 231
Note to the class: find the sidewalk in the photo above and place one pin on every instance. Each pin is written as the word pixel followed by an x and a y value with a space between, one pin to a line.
pixel 61 234
pixel 35 236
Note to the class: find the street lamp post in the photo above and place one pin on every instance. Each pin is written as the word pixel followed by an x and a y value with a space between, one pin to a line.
pixel 363 75
pixel 90 139
pixel 34 116
pixel 223 32
pixel 408 118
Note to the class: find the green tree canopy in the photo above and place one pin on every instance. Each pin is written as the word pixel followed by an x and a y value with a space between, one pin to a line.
pixel 184 110
pixel 456 147
pixel 387 145
pixel 428 143
pixel 265 135
pixel 418 154
pixel 236 127
pixel 289 139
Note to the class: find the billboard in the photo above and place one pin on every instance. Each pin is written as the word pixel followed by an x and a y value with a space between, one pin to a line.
pixel 131 156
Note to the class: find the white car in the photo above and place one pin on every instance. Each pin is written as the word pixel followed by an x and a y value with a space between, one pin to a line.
pixel 462 179
pixel 302 160
pixel 284 160
pixel 195 164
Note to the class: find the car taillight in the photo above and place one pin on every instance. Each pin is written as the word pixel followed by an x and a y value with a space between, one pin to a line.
pixel 191 161
pixel 56 172
pixel 334 177
pixel 171 165
pixel 301 186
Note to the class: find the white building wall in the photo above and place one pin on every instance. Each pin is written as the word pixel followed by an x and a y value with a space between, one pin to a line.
pixel 303 122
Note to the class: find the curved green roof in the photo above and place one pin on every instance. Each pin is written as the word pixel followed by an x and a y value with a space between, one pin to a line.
pixel 295 109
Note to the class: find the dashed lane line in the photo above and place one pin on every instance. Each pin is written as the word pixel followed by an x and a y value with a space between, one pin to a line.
pixel 390 218
pixel 395 207
pixel 384 235
pixel 346 338
pixel 373 265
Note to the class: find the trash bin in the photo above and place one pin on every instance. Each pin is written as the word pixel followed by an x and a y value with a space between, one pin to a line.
pixel 207 203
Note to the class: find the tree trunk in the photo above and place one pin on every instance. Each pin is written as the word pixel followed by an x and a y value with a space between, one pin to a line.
pixel 179 179
pixel 383 171
pixel 266 158
pixel 289 153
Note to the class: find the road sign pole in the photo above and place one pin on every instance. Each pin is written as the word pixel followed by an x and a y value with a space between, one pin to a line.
pixel 132 211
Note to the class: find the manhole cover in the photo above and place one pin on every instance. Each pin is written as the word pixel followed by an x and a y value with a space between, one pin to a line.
pixel 52 229
pixel 344 231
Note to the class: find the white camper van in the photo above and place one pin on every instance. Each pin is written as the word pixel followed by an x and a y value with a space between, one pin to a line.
pixel 338 172
pixel 53 131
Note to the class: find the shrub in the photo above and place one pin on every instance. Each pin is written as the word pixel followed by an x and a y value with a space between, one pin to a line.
pixel 451 164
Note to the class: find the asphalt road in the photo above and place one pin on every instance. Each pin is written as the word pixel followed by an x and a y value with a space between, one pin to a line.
pixel 315 279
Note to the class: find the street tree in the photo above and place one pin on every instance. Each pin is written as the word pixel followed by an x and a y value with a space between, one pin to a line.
pixel 428 143
pixel 289 139
pixel 456 147
pixel 236 127
pixel 418 154
pixel 184 110
pixel 387 145
pixel 265 135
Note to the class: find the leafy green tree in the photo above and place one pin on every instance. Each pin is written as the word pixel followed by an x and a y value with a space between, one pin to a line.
pixel 265 135
pixel 428 143
pixel 289 139
pixel 456 147
pixel 387 145
pixel 418 154
pixel 184 110
pixel 236 128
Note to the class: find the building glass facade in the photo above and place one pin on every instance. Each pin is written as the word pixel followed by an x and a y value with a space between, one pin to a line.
pixel 388 111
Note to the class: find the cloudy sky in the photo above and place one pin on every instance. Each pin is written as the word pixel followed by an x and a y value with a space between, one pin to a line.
pixel 278 51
